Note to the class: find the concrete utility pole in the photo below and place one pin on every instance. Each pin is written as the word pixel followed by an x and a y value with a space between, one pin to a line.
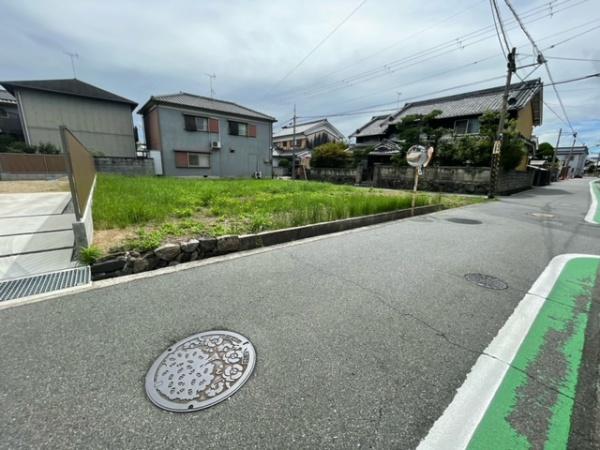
pixel 497 149
pixel 294 146
pixel 570 155
pixel 554 154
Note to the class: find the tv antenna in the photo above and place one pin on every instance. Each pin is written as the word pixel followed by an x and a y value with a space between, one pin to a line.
pixel 73 57
pixel 211 77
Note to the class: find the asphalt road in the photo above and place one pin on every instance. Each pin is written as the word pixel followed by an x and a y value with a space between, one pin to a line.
pixel 362 338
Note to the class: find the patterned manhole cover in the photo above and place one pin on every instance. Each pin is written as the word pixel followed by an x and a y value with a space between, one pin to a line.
pixel 464 221
pixel 486 281
pixel 200 371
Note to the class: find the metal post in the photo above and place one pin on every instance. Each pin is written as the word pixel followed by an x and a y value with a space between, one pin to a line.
pixel 294 146
pixel 570 155
pixel 414 195
pixel 497 149
pixel 554 155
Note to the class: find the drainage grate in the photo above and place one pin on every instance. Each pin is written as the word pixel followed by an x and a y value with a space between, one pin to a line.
pixel 486 281
pixel 464 221
pixel 44 283
pixel 200 371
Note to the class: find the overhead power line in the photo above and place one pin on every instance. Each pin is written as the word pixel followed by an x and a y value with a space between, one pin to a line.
pixel 572 59
pixel 447 47
pixel 321 42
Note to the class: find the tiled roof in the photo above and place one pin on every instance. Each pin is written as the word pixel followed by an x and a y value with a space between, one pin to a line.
pixel 375 127
pixel 288 129
pixel 205 103
pixel 474 103
pixel 70 86
pixel 5 97
pixel 465 104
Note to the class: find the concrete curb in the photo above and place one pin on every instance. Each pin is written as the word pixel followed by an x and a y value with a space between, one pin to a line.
pixel 175 253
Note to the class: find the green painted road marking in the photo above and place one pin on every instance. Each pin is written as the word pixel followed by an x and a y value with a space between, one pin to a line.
pixel 525 413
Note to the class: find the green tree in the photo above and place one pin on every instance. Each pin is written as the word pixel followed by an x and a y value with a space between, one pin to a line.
pixel 332 154
pixel 546 151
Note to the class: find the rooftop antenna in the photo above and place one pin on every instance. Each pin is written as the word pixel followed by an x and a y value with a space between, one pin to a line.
pixel 73 57
pixel 399 95
pixel 211 77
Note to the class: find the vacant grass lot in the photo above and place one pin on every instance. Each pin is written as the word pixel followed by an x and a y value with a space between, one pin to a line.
pixel 143 212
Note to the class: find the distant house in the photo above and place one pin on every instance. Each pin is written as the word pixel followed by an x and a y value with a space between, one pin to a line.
pixel 9 116
pixel 201 136
pixel 101 120
pixel 308 135
pixel 461 112
pixel 578 156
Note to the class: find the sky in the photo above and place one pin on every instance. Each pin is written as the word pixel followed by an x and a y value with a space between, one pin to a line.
pixel 344 59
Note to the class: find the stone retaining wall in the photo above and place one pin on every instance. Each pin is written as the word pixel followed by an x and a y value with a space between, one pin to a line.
pixel 466 180
pixel 174 253
pixel 124 165
pixel 333 175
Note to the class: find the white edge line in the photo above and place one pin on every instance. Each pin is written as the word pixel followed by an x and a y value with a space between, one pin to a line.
pixel 589 217
pixel 455 428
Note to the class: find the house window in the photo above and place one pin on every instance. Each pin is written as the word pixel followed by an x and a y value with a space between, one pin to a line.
pixel 238 128
pixel 195 123
pixel 195 160
pixel 198 160
pixel 466 126
pixel 3 113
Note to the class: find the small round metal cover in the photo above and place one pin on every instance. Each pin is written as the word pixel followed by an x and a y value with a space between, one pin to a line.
pixel 464 221
pixel 200 371
pixel 486 281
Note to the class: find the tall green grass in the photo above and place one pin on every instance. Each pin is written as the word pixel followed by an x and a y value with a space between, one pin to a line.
pixel 175 206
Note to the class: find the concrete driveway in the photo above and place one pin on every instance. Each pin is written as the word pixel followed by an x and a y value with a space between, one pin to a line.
pixel 36 235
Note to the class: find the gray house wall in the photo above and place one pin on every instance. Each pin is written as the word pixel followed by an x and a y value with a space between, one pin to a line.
pixel 577 164
pixel 101 126
pixel 238 157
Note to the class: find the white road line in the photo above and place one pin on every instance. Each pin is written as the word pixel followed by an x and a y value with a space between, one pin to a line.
pixel 455 428
pixel 589 217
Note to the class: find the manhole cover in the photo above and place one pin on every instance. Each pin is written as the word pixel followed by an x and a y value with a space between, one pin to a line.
pixel 486 281
pixel 543 215
pixel 464 221
pixel 200 371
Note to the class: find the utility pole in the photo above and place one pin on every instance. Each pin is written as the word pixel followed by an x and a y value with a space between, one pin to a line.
pixel 554 155
pixel 570 155
pixel 294 146
pixel 211 77
pixel 497 149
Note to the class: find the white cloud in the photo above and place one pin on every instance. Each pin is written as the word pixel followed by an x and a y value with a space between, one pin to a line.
pixel 137 49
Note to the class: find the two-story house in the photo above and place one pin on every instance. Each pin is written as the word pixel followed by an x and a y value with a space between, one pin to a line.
pixel 308 135
pixel 205 137
pixel 461 113
pixel 101 120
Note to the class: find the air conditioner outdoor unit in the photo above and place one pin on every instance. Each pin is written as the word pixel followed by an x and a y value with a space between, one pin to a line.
pixel 215 145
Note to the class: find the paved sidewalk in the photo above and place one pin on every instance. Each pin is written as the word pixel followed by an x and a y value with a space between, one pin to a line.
pixel 35 235
pixel 362 338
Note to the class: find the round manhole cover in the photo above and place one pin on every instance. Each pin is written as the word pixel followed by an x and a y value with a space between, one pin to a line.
pixel 486 281
pixel 200 371
pixel 464 221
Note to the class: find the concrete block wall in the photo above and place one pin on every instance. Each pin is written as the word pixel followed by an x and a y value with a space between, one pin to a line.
pixel 124 166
